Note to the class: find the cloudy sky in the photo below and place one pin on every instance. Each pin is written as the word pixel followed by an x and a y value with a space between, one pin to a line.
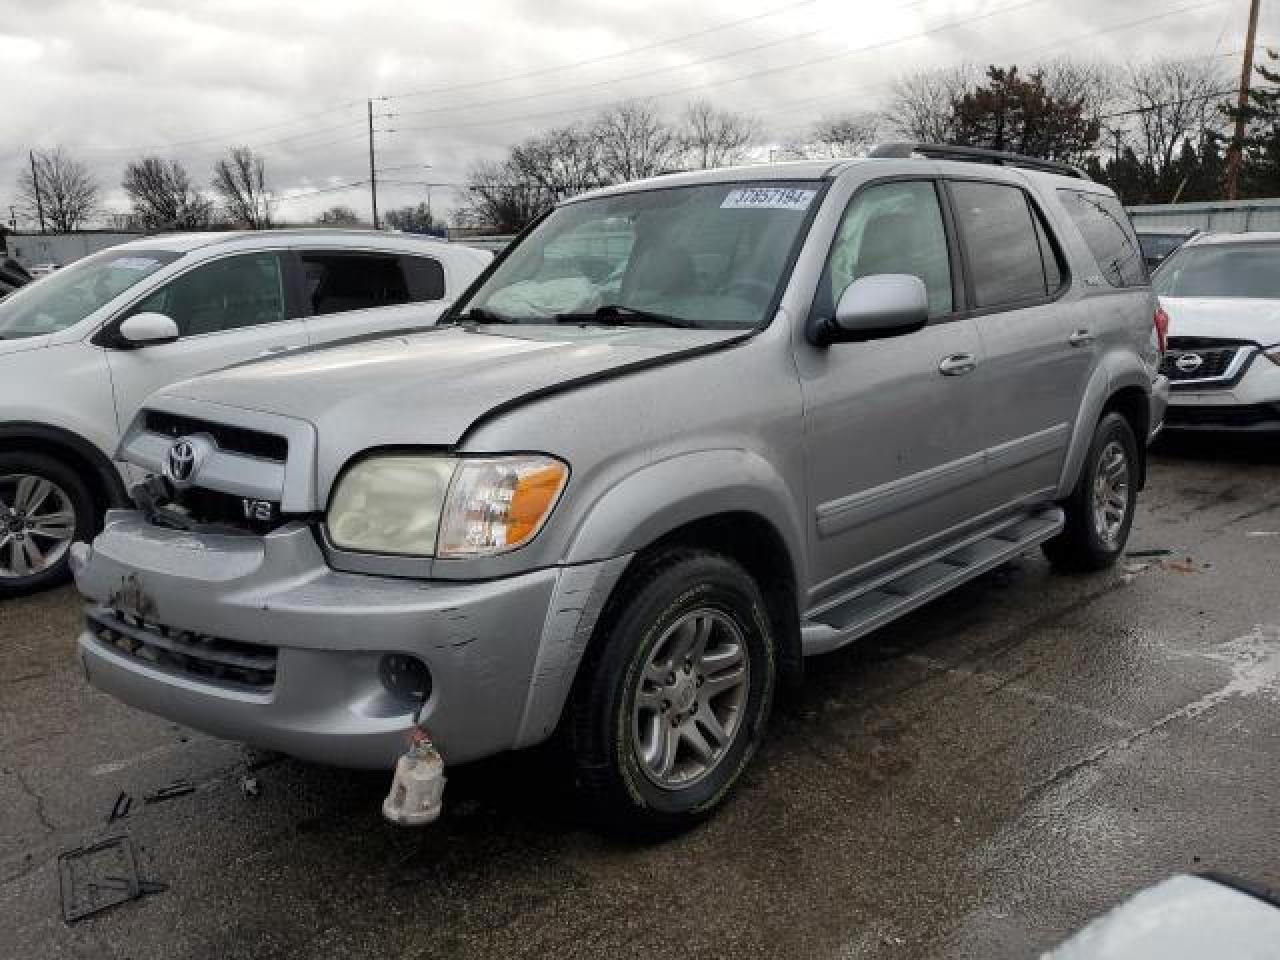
pixel 112 80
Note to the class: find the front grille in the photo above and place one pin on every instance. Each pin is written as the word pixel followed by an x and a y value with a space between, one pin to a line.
pixel 228 663
pixel 250 443
pixel 1216 357
pixel 214 508
pixel 1223 415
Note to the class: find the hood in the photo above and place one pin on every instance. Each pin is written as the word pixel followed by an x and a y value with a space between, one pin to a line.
pixel 428 388
pixel 1231 318
pixel 22 344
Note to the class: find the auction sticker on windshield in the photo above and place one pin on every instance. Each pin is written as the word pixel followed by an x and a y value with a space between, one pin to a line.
pixel 768 198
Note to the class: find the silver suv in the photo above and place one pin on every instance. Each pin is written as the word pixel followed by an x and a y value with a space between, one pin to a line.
pixel 682 434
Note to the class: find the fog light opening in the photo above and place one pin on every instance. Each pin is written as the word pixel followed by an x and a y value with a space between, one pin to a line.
pixel 405 677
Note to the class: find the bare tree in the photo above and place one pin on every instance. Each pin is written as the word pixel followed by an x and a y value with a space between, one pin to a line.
pixel 501 198
pixel 838 136
pixel 340 216
pixel 562 162
pixel 1171 101
pixel 413 219
pixel 922 105
pixel 634 142
pixel 68 196
pixel 240 180
pixel 163 197
pixel 710 137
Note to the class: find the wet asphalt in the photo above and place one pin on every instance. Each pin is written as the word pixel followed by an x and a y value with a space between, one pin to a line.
pixel 977 780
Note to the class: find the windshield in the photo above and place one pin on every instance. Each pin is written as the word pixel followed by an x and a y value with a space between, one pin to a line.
pixel 708 257
pixel 64 298
pixel 1244 270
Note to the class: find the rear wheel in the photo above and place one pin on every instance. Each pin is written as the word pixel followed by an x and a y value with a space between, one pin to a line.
pixel 1099 512
pixel 671 704
pixel 44 508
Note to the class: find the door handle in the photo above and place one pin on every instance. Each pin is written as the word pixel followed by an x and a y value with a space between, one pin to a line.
pixel 957 365
pixel 1080 338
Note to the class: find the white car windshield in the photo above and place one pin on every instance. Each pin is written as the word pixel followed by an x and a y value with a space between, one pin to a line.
pixel 710 257
pixel 1243 270
pixel 64 298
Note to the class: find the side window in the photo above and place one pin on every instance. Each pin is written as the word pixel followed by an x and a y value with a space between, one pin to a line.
pixel 1002 244
pixel 334 282
pixel 1109 236
pixel 240 291
pixel 892 228
pixel 425 276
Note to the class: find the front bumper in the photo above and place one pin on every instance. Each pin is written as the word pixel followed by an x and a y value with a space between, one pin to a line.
pixel 1158 406
pixel 1250 405
pixel 501 653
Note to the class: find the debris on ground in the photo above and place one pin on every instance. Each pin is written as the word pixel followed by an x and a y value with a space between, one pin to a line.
pixel 249 786
pixel 1153 552
pixel 96 877
pixel 1263 533
pixel 179 788
pixel 120 809
pixel 1180 566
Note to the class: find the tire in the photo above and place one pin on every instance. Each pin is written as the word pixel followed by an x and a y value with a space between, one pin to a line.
pixel 620 733
pixel 1082 545
pixel 64 510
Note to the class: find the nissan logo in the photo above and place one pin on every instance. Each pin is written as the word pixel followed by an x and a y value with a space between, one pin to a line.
pixel 1189 362
pixel 185 458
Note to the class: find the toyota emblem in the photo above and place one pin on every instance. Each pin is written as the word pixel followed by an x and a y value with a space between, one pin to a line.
pixel 1189 362
pixel 185 457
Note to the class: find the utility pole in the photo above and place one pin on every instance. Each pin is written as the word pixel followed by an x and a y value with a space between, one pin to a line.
pixel 35 183
pixel 373 173
pixel 1236 157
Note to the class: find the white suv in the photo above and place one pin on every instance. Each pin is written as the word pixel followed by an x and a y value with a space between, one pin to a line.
pixel 81 350
pixel 1222 294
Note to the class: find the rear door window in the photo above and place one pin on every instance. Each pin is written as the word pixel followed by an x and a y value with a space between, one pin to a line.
pixel 1002 243
pixel 335 282
pixel 1109 236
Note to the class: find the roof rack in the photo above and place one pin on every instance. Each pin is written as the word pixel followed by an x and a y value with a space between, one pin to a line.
pixel 942 151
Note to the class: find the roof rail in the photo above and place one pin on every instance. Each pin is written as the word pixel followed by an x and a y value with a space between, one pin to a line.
pixel 942 151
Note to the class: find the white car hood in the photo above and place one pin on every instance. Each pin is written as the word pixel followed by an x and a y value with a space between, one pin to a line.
pixel 23 344
pixel 1232 318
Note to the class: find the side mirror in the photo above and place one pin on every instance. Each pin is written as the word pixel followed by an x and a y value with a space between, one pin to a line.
pixel 881 305
pixel 143 329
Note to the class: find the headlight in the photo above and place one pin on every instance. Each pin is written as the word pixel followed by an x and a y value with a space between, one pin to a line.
pixel 444 506
pixel 390 504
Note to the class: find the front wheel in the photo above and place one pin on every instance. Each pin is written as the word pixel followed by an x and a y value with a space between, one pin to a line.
pixel 673 699
pixel 44 508
pixel 1099 512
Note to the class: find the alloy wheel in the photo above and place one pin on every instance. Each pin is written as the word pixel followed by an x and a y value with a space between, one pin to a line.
pixel 37 525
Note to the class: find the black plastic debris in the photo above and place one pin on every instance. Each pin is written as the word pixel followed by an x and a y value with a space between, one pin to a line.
pixel 1154 552
pixel 179 788
pixel 99 876
pixel 121 808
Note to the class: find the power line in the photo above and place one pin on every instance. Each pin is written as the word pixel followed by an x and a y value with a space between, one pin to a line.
pixel 827 58
pixel 600 59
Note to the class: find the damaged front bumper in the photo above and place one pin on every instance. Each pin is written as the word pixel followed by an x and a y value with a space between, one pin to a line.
pixel 257 639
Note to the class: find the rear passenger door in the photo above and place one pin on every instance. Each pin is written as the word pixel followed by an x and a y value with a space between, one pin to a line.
pixel 348 292
pixel 1037 351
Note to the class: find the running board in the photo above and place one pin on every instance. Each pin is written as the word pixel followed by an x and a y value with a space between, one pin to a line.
pixel 870 606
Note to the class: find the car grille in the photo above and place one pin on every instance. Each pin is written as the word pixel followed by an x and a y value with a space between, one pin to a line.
pixel 1216 357
pixel 250 443
pixel 213 508
pixel 1222 415
pixel 228 663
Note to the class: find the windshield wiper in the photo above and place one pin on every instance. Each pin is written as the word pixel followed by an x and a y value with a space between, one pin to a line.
pixel 619 315
pixel 481 315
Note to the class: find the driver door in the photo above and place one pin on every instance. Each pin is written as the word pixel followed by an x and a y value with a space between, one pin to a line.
pixel 227 310
pixel 892 442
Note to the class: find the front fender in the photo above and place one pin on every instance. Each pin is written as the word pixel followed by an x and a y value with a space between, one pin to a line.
pixel 1116 370
pixel 660 497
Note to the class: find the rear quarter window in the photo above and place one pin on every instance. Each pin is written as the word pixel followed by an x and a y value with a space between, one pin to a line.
pixel 1109 236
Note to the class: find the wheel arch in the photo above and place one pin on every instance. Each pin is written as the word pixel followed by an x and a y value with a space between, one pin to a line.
pixel 1123 386
pixel 79 454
